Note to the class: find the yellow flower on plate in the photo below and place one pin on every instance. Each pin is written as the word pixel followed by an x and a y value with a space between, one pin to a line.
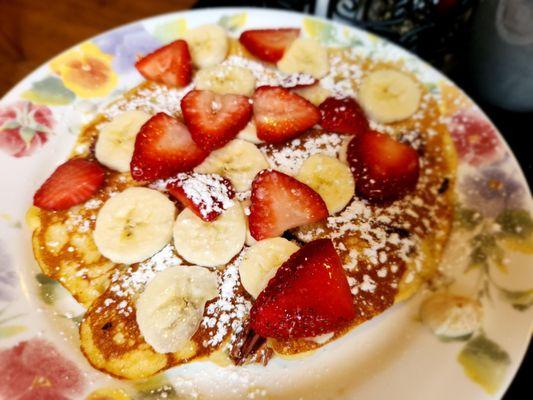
pixel 86 70
pixel 108 394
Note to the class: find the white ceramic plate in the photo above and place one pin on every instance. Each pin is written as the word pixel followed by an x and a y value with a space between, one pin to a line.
pixel 392 355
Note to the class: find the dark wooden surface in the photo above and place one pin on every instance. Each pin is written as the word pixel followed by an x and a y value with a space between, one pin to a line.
pixel 33 31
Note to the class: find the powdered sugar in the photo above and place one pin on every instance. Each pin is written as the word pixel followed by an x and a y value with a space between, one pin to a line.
pixel 135 278
pixel 152 99
pixel 209 192
pixel 268 76
pixel 342 77
pixel 290 158
pixel 226 314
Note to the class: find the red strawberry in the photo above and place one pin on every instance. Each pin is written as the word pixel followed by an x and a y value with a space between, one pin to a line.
pixel 280 202
pixel 268 44
pixel 308 296
pixel 281 115
pixel 207 195
pixel 385 169
pixel 163 148
pixel 214 119
pixel 170 64
pixel 343 116
pixel 72 183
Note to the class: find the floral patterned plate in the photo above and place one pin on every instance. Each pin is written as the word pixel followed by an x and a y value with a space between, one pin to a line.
pixel 489 256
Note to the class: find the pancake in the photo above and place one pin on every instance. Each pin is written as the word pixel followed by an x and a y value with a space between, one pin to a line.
pixel 388 251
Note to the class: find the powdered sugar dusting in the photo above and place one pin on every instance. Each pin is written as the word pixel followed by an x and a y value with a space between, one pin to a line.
pixel 130 283
pixel 290 158
pixel 342 77
pixel 269 76
pixel 209 192
pixel 151 99
pixel 227 313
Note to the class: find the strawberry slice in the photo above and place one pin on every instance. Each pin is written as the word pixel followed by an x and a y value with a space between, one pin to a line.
pixel 268 44
pixel 281 115
pixel 207 195
pixel 214 119
pixel 385 169
pixel 72 183
pixel 343 116
pixel 164 147
pixel 170 64
pixel 308 296
pixel 280 202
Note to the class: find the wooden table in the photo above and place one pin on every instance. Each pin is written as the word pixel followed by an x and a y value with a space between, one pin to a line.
pixel 33 31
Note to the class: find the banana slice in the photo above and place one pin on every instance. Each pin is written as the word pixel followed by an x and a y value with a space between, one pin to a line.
pixel 134 225
pixel 208 45
pixel 226 79
pixel 343 150
pixel 114 147
pixel 315 94
pixel 388 95
pixel 261 262
pixel 330 178
pixel 249 241
pixel 239 161
pixel 210 243
pixel 249 133
pixel 305 56
pixel 170 309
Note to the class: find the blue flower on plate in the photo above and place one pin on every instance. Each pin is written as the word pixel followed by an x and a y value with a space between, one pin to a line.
pixel 493 189
pixel 7 276
pixel 126 44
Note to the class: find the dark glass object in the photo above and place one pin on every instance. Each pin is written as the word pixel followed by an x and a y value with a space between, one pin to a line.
pixel 434 29
pixel 293 5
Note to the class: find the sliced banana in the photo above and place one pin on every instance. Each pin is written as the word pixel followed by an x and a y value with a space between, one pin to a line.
pixel 116 140
pixel 208 45
pixel 343 150
pixel 330 178
pixel 261 262
pixel 170 309
pixel 210 243
pixel 306 56
pixel 249 241
pixel 226 79
pixel 134 225
pixel 315 94
pixel 388 95
pixel 239 161
pixel 249 133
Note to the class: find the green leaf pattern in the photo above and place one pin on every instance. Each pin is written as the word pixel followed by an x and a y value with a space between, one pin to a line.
pixel 49 91
pixel 485 362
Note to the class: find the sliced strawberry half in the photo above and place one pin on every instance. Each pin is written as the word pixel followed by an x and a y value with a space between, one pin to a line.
pixel 280 202
pixel 164 147
pixel 268 44
pixel 280 115
pixel 343 116
pixel 72 183
pixel 214 119
pixel 207 195
pixel 308 296
pixel 385 169
pixel 170 64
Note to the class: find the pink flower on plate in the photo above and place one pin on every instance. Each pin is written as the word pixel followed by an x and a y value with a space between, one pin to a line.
pixel 35 370
pixel 24 127
pixel 476 140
